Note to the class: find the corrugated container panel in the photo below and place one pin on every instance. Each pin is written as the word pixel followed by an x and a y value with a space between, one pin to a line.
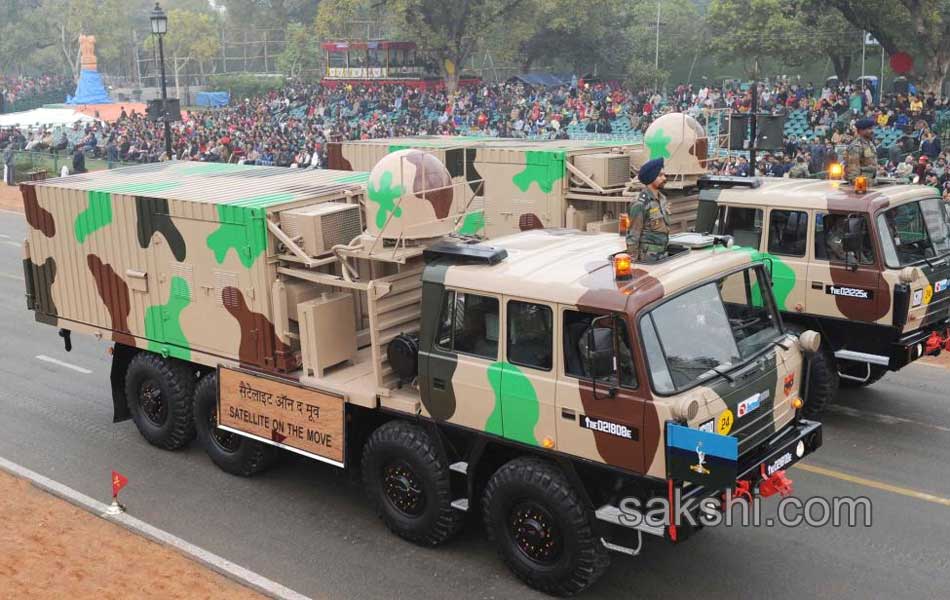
pixel 446 142
pixel 217 183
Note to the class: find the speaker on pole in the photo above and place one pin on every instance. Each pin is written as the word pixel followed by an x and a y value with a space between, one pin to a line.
pixel 154 111
pixel 738 131
pixel 770 132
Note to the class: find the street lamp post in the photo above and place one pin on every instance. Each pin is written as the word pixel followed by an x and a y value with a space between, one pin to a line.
pixel 656 60
pixel 159 29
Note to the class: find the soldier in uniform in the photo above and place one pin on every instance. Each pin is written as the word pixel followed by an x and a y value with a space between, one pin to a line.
pixel 649 230
pixel 861 156
pixel 800 170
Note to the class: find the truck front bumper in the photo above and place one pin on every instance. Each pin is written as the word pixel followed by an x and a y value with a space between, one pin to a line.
pixel 760 472
pixel 920 343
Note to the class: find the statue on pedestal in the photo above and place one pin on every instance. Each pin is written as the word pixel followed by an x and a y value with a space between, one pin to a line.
pixel 87 51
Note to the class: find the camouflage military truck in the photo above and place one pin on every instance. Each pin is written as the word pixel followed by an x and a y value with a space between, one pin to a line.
pixel 542 381
pixel 517 185
pixel 869 270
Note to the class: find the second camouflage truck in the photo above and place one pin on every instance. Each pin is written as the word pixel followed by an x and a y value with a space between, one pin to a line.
pixel 543 381
pixel 867 267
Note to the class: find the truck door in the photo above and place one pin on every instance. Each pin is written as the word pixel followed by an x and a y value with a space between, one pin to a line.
pixel 592 423
pixel 208 302
pixel 855 292
pixel 525 384
pixel 458 369
pixel 787 245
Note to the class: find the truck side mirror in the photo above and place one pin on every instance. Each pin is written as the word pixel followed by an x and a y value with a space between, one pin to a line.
pixel 600 355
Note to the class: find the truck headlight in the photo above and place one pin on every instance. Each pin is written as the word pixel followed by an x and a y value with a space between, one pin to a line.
pixel 685 409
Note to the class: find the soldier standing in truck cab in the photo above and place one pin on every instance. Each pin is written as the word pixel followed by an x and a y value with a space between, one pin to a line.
pixel 861 155
pixel 649 230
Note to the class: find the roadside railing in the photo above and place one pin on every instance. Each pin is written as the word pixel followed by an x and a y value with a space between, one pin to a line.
pixel 30 165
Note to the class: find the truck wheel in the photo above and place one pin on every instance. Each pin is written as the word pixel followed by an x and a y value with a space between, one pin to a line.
pixel 407 480
pixel 877 372
pixel 232 453
pixel 822 377
pixel 822 382
pixel 160 393
pixel 542 529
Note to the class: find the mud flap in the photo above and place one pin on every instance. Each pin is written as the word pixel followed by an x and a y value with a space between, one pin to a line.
pixel 121 355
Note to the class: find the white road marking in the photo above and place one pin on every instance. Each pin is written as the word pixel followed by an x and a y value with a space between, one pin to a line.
pixel 61 363
pixel 10 243
pixel 214 562
pixel 4 236
pixel 13 277
pixel 882 418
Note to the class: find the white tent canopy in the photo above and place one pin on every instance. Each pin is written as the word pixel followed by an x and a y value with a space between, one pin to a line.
pixel 43 116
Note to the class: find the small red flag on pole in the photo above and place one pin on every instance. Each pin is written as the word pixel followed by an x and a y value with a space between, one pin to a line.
pixel 118 482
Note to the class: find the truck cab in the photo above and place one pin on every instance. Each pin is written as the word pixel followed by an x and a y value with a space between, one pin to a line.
pixel 870 269
pixel 559 346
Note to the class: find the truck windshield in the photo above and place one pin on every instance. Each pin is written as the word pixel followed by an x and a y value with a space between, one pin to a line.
pixel 709 330
pixel 915 232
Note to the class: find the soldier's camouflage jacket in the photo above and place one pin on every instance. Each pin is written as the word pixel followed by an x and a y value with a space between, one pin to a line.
pixel 860 159
pixel 649 230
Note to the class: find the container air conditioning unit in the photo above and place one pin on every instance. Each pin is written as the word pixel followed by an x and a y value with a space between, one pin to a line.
pixel 319 227
pixel 327 332
pixel 607 170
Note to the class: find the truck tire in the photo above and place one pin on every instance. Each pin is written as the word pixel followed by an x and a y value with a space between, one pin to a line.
pixel 822 378
pixel 877 372
pixel 822 382
pixel 542 529
pixel 160 392
pixel 232 453
pixel 407 479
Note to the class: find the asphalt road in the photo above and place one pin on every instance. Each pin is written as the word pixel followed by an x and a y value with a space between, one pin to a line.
pixel 305 525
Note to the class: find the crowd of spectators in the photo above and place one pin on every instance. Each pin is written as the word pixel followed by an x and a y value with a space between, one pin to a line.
pixel 17 89
pixel 291 126
pixel 913 153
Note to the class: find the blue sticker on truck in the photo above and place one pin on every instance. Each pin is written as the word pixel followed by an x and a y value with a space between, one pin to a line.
pixel 701 457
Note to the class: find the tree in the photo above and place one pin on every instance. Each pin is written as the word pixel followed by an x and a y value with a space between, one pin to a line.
pixel 301 52
pixel 67 20
pixel 191 37
pixel 335 18
pixel 451 34
pixel 918 27
pixel 682 36
pixel 578 34
pixel 268 13
pixel 832 34
pixel 791 31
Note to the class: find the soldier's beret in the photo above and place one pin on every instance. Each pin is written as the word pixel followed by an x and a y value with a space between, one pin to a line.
pixel 863 124
pixel 650 171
